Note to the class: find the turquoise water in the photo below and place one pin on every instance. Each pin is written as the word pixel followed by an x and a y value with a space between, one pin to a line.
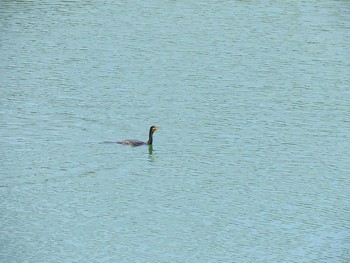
pixel 251 162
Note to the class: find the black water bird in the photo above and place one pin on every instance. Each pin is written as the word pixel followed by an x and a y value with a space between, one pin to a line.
pixel 139 143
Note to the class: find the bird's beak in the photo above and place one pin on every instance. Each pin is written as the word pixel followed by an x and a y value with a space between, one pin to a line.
pixel 155 129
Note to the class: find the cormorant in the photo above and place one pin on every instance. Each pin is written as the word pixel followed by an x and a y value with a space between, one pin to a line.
pixel 137 142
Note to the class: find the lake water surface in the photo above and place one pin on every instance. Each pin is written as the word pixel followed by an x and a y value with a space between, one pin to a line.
pixel 251 162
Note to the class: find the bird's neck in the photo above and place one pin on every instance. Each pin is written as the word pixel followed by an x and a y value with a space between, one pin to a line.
pixel 150 138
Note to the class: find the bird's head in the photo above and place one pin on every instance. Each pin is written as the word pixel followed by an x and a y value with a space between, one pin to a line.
pixel 153 129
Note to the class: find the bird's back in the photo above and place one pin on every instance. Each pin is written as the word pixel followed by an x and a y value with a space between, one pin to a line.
pixel 132 142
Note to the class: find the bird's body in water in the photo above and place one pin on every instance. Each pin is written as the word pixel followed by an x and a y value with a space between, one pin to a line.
pixel 139 143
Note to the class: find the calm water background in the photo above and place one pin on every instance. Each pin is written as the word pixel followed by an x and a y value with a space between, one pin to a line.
pixel 251 163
